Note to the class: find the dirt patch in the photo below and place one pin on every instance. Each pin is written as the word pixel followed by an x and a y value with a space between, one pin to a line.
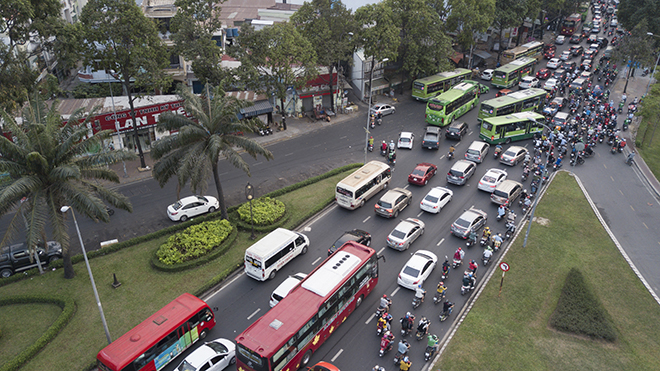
pixel 542 221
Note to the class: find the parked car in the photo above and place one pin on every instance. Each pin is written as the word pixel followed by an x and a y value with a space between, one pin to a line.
pixel 543 73
pixel 491 179
pixel 192 206
pixel 285 288
pixel 393 202
pixel 382 108
pixel 461 172
pixel 405 233
pixel 214 355
pixel 456 130
pixel 528 82
pixel 487 74
pixel 553 63
pixel 417 269
pixel 436 199
pixel 406 139
pixel 356 235
pixel 16 258
pixel 471 220
pixel 422 173
pixel 513 155
pixel 431 138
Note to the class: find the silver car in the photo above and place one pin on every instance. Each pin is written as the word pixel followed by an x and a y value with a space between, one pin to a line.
pixel 393 202
pixel 383 109
pixel 470 220
pixel 404 234
pixel 513 155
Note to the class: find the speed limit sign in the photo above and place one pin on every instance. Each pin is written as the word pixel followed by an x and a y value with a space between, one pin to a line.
pixel 504 266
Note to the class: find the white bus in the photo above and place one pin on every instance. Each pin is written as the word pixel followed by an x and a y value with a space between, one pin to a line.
pixel 355 189
pixel 271 253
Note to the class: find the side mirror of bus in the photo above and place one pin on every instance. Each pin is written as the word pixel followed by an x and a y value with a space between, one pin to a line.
pixel 382 257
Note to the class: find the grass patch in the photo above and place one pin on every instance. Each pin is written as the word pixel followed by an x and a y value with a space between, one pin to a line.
pixel 17 334
pixel 650 149
pixel 143 290
pixel 580 312
pixel 511 332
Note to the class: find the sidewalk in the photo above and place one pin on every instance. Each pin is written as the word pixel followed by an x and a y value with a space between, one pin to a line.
pixel 636 88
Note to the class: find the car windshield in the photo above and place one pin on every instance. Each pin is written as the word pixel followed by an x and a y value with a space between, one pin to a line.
pixel 462 223
pixel 488 179
pixel 410 271
pixel 431 198
pixel 177 205
pixel 398 234
pixel 384 204
pixel 217 347
pixel 453 129
pixel 185 366
pixel 404 140
pixel 418 172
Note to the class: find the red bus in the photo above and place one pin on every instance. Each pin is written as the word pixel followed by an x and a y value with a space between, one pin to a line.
pixel 286 336
pixel 157 341
pixel 571 24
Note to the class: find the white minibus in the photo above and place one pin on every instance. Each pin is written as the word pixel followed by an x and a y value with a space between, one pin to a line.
pixel 365 182
pixel 271 253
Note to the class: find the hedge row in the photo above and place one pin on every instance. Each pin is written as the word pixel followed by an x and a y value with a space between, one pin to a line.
pixel 580 312
pixel 194 242
pixel 236 220
pixel 214 254
pixel 263 211
pixel 68 309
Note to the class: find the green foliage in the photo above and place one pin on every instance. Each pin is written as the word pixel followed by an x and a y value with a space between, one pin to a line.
pixel 632 12
pixel 194 241
pixel 68 309
pixel 637 46
pixel 215 253
pixel 469 17
pixel 580 312
pixel 83 91
pixel 378 32
pixel 265 211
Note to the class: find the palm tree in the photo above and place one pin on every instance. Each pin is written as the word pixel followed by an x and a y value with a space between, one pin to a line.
pixel 51 164
pixel 209 133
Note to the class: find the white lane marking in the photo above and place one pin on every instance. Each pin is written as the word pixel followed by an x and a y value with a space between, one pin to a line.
pixel 406 186
pixel 344 137
pixel 318 145
pixel 420 214
pixel 336 355
pixel 367 218
pixel 254 313
pixel 288 154
pixel 223 287
pixel 316 261
pixel 370 318
pixel 395 291
pixel 441 157
pixel 257 163
pixel 381 250
pixel 441 241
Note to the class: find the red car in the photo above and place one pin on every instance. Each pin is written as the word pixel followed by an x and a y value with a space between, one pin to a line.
pixel 543 73
pixel 422 173
pixel 549 54
pixel 503 92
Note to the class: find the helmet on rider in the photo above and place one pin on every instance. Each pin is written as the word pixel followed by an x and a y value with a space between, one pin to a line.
pixel 441 283
pixel 384 296
pixel 459 249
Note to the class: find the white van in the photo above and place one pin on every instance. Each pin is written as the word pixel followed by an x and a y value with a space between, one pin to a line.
pixel 271 253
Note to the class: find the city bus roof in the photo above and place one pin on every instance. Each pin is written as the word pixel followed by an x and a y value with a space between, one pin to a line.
pixel 514 117
pixel 515 64
pixel 514 97
pixel 443 75
pixel 267 334
pixel 455 92
pixel 367 170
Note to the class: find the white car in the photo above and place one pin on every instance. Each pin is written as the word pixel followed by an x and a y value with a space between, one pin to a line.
pixel 285 288
pixel 553 63
pixel 560 39
pixel 487 74
pixel 214 355
pixel 405 140
pixel 565 55
pixel 191 206
pixel 417 269
pixel 436 199
pixel 550 84
pixel 382 108
pixel 491 179
pixel 404 234
pixel 528 82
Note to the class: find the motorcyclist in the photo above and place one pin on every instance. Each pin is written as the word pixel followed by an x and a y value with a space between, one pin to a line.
pixel 391 145
pixel 423 326
pixel 387 340
pixel 378 368
pixel 473 266
pixel 631 157
pixel 488 253
pixel 441 289
pixel 405 364
pixel 392 156
pixel 382 322
pixel 486 233
pixel 501 211
pixel 451 149
pixel 403 346
pixel 385 302
pixel 473 236
pixel 448 306
pixel 497 240
pixel 459 254
pixel 420 293
pixel 467 280
pixel 407 321
pixel 511 218
pixel 383 146
pixel 433 341
pixel 371 142
pixel 445 266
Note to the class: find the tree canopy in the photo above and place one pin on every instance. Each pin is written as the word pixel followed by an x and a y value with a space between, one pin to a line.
pixel 632 12
pixel 469 17
pixel 378 33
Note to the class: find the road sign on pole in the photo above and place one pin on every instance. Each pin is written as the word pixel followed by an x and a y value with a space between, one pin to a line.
pixel 504 267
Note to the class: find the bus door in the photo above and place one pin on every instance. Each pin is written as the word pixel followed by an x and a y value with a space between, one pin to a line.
pixel 502 130
pixel 519 107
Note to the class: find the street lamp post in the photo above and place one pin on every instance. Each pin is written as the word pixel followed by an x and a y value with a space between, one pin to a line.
pixel 371 78
pixel 536 199
pixel 64 209
pixel 249 195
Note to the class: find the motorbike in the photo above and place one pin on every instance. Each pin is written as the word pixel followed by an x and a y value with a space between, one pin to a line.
pixel 525 174
pixel 632 108
pixel 383 152
pixel 379 121
pixel 419 335
pixel 450 155
pixel 381 329
pixel 497 153
pixel 645 71
pixel 380 310
pixel 110 211
pixel 484 241
pixel 510 230
pixel 456 263
pixel 385 346
pixel 406 328
pixel 625 125
pixel 500 216
pixel 429 352
pixel 496 245
pixel 437 298
pixel 416 302
pixel 485 259
pixel 470 242
pixel 398 357
pixel 466 289
pixel 630 161
pixel 370 147
pixel 445 269
pixel 578 160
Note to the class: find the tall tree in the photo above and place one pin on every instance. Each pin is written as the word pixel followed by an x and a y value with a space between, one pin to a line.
pixel 275 58
pixel 635 49
pixel 468 18
pixel 21 23
pixel 328 26
pixel 119 37
pixel 425 47
pixel 632 12
pixel 193 27
pixel 507 16
pixel 52 165
pixel 203 138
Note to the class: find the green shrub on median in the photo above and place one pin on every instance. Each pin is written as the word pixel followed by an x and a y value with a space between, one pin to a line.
pixel 263 211
pixel 194 242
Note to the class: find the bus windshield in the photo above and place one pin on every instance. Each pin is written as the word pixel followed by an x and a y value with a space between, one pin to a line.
pixel 436 106
pixel 487 109
pixel 499 74
pixel 253 359
pixel 344 192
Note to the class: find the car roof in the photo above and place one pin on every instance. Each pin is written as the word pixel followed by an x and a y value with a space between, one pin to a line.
pixel 289 283
pixel 477 144
pixel 515 148
pixel 407 225
pixel 394 193
pixel 497 171
pixel 420 257
pixel 424 165
pixel 439 191
pixel 405 134
pixel 200 356
pixel 432 129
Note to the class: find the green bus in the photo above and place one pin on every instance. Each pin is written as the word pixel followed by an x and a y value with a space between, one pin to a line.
pixel 532 99
pixel 508 75
pixel 453 103
pixel 430 86
pixel 509 128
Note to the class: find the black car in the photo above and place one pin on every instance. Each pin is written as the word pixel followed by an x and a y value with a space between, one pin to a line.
pixel 588 54
pixel 576 50
pixel 456 130
pixel 431 138
pixel 569 66
pixel 356 235
pixel 16 258
pixel 602 42
pixel 576 39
